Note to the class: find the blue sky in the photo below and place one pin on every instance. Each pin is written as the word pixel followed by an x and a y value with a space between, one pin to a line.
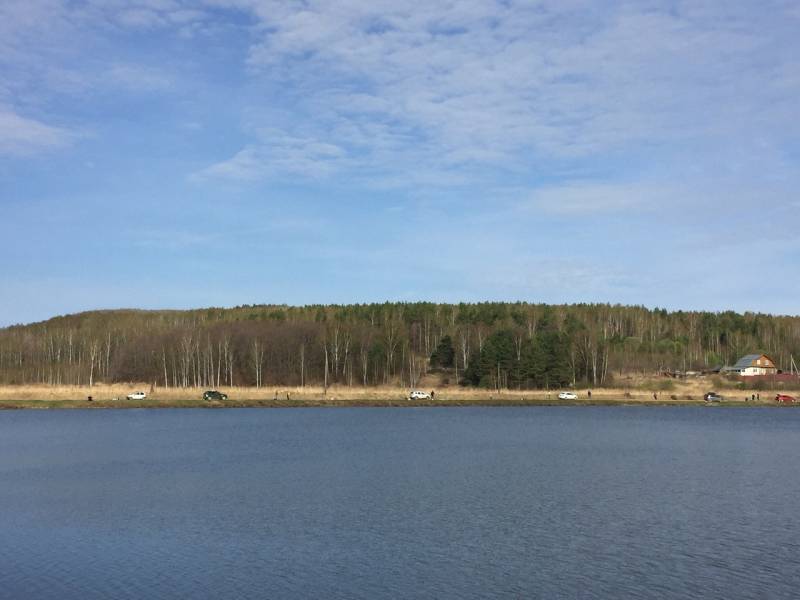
pixel 174 154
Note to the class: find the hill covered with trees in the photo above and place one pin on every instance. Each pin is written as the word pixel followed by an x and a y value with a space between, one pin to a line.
pixel 514 345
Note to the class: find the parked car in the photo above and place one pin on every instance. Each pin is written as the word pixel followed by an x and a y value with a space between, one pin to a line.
pixel 214 395
pixel 785 399
pixel 567 396
pixel 136 396
pixel 712 397
pixel 419 395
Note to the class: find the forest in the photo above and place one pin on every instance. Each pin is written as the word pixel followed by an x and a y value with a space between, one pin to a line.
pixel 491 345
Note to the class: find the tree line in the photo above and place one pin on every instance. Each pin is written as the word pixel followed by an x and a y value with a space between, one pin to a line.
pixel 497 345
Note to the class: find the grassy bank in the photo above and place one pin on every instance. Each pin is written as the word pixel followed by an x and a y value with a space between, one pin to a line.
pixel 113 396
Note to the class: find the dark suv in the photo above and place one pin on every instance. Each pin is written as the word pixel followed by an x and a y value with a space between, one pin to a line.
pixel 214 395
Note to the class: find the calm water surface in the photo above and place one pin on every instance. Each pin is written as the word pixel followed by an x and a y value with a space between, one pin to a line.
pixel 627 502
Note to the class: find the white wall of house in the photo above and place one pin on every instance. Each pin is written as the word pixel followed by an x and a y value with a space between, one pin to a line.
pixel 751 371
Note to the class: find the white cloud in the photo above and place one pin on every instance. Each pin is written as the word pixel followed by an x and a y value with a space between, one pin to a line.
pixel 520 85
pixel 174 239
pixel 146 14
pixel 44 61
pixel 140 18
pixel 587 198
pixel 138 77
pixel 280 154
pixel 20 136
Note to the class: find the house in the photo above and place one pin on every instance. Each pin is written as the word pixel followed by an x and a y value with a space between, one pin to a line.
pixel 752 365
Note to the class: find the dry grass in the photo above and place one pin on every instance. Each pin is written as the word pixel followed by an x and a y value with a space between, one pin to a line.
pixel 45 396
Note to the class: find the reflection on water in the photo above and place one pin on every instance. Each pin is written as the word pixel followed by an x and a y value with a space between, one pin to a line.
pixel 648 502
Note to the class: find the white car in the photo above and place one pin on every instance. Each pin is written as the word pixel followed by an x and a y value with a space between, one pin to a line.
pixel 419 395
pixel 136 396
pixel 567 396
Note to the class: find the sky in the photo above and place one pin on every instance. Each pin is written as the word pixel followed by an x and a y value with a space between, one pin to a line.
pixel 177 154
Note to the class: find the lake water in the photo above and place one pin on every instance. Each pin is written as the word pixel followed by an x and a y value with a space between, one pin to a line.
pixel 550 502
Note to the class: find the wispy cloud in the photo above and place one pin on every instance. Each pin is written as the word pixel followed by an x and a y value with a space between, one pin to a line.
pixel 147 14
pixel 279 154
pixel 173 239
pixel 21 136
pixel 590 198
pixel 520 86
pixel 138 77
pixel 43 59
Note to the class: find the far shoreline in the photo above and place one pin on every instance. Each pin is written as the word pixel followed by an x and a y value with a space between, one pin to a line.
pixel 105 396
pixel 343 403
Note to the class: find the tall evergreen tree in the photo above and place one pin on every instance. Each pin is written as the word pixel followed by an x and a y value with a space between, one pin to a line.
pixel 444 354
